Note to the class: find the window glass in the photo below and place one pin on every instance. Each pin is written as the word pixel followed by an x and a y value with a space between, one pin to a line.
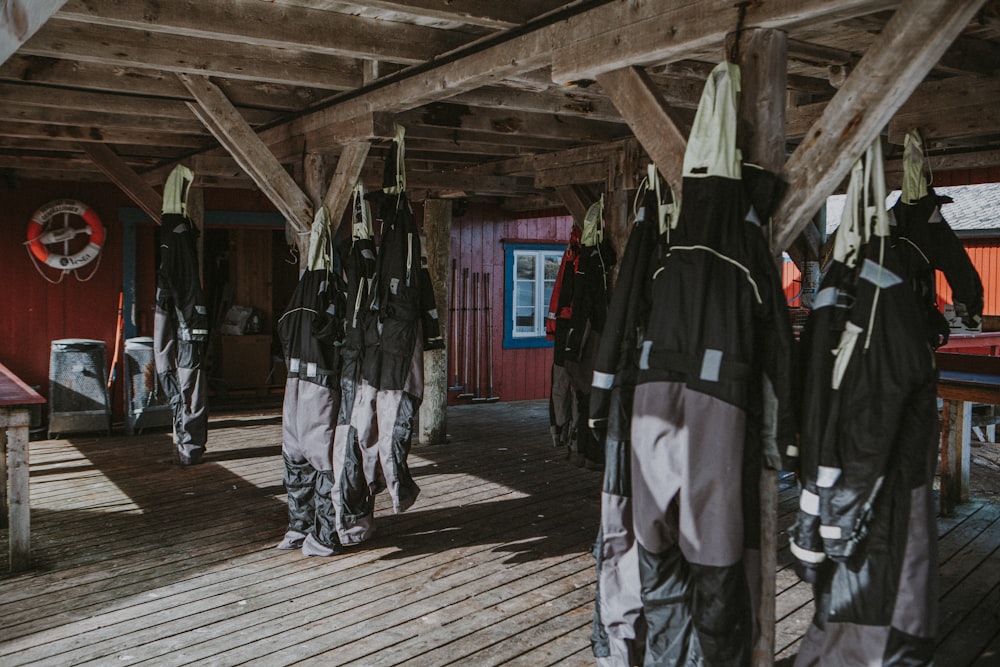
pixel 531 279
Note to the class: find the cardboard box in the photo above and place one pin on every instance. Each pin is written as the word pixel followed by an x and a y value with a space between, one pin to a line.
pixel 246 361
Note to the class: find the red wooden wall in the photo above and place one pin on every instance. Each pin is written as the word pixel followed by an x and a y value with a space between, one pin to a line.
pixel 477 245
pixel 35 312
pixel 985 256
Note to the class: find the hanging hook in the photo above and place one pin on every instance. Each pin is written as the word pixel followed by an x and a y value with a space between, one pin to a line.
pixel 734 49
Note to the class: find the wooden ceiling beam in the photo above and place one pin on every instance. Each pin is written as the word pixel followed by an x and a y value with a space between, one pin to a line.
pixel 578 174
pixel 485 13
pixel 106 103
pixel 512 123
pixel 271 26
pixel 451 180
pixel 20 19
pixel 529 164
pixel 203 57
pixel 116 78
pixel 563 102
pixel 654 123
pixel 522 53
pixel 137 137
pixel 949 162
pixel 122 175
pixel 622 34
pixel 288 146
pixel 484 143
pixel 956 108
pixel 225 123
pixel 14 111
pixel 892 68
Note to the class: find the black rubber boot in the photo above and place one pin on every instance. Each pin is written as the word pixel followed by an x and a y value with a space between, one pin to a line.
pixel 323 540
pixel 300 485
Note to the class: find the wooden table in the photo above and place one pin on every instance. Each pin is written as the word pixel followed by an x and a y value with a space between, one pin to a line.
pixel 16 398
pixel 964 379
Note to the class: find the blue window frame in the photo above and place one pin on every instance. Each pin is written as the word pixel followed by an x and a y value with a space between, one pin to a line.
pixel 530 271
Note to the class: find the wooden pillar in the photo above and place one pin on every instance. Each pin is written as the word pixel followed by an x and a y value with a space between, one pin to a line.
pixel 14 424
pixel 437 232
pixel 956 438
pixel 616 213
pixel 196 214
pixel 762 57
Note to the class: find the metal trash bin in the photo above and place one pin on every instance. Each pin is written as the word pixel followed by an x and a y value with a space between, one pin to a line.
pixel 78 389
pixel 146 404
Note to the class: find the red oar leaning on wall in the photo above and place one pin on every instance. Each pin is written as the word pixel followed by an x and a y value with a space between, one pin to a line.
pixel 113 373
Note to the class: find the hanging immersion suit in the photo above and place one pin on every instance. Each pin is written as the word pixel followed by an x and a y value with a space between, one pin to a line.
pixel 353 499
pixel 619 634
pixel 866 531
pixel 718 341
pixel 925 243
pixel 562 406
pixel 402 322
pixel 583 337
pixel 311 330
pixel 180 323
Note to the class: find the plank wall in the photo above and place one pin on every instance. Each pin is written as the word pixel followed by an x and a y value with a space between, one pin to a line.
pixel 477 239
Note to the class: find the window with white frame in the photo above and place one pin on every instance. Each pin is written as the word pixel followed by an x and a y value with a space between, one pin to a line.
pixel 531 271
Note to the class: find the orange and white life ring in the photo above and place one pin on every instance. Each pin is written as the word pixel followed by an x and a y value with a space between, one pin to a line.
pixel 41 234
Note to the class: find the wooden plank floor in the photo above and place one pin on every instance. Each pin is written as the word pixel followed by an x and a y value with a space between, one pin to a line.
pixel 140 561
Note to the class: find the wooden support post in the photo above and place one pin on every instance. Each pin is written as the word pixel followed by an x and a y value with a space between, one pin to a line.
pixel 761 132
pixel 437 231
pixel 616 214
pixel 956 440
pixel 15 422
pixel 196 214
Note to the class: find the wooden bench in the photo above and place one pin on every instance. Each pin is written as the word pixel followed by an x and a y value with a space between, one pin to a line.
pixel 16 399
pixel 964 379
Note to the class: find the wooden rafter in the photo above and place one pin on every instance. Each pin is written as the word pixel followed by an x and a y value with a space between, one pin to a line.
pixel 576 202
pixel 892 68
pixel 148 199
pixel 225 123
pixel 651 119
pixel 345 177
